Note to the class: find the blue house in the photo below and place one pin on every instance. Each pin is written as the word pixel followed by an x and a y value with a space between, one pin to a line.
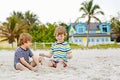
pixel 98 33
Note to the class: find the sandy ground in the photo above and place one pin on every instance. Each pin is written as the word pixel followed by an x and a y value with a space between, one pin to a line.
pixel 94 64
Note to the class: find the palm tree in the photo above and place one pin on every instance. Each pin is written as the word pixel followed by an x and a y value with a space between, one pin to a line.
pixel 18 15
pixel 11 30
pixel 115 28
pixel 16 24
pixel 30 19
pixel 27 20
pixel 90 11
pixel 21 24
pixel 115 25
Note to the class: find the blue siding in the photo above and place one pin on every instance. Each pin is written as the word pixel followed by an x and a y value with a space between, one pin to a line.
pixel 80 28
pixel 78 40
pixel 69 27
pixel 104 27
pixel 92 31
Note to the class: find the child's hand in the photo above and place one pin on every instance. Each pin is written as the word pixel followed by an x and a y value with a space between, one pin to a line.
pixel 35 69
pixel 42 54
pixel 69 56
pixel 37 66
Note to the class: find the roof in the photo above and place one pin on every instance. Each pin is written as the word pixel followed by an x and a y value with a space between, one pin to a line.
pixel 94 26
pixel 91 35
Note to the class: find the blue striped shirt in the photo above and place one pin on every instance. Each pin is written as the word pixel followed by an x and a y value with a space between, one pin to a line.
pixel 60 51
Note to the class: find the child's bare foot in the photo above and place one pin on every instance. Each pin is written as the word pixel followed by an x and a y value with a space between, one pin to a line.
pixel 41 54
pixel 60 65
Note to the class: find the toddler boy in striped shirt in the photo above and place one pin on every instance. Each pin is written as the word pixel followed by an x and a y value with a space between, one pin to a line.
pixel 60 50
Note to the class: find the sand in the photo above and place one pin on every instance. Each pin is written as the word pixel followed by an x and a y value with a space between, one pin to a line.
pixel 90 64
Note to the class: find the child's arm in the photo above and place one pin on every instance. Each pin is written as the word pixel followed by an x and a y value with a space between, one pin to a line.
pixel 22 60
pixel 69 55
pixel 35 60
pixel 47 55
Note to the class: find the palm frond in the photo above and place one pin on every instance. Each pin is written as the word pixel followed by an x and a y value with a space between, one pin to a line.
pixel 83 9
pixel 5 34
pixel 77 20
pixel 90 5
pixel 12 23
pixel 4 40
pixel 99 12
pixel 83 15
pixel 95 7
pixel 96 19
pixel 18 15
pixel 3 30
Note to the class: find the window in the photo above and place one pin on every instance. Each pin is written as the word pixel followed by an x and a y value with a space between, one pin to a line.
pixel 76 40
pixel 97 40
pixel 80 29
pixel 92 39
pixel 106 39
pixel 80 40
pixel 72 32
pixel 104 28
pixel 102 39
pixel 92 31
pixel 88 39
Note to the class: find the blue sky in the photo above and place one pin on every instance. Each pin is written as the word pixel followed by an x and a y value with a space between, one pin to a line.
pixel 56 10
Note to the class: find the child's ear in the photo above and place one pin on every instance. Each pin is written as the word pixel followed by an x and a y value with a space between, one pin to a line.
pixel 66 34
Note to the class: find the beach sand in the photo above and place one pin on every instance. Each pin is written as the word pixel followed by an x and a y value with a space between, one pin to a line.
pixel 87 64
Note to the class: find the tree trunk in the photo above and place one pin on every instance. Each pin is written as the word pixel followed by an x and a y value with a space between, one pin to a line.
pixel 17 41
pixel 12 44
pixel 88 23
pixel 88 36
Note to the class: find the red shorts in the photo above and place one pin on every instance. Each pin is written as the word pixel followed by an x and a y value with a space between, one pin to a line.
pixel 56 62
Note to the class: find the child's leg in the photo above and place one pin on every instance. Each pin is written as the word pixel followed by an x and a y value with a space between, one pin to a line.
pixel 40 59
pixel 62 64
pixel 32 63
pixel 20 67
pixel 51 63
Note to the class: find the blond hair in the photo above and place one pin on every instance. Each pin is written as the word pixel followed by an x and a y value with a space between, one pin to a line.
pixel 60 30
pixel 24 37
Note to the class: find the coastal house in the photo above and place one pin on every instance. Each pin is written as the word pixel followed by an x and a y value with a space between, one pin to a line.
pixel 98 33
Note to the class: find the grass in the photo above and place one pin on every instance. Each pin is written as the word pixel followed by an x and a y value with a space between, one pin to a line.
pixel 7 48
pixel 73 46
pixel 104 46
pixel 48 46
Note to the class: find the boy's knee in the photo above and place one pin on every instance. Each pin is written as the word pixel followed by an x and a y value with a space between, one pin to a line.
pixel 41 59
pixel 50 64
pixel 20 67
